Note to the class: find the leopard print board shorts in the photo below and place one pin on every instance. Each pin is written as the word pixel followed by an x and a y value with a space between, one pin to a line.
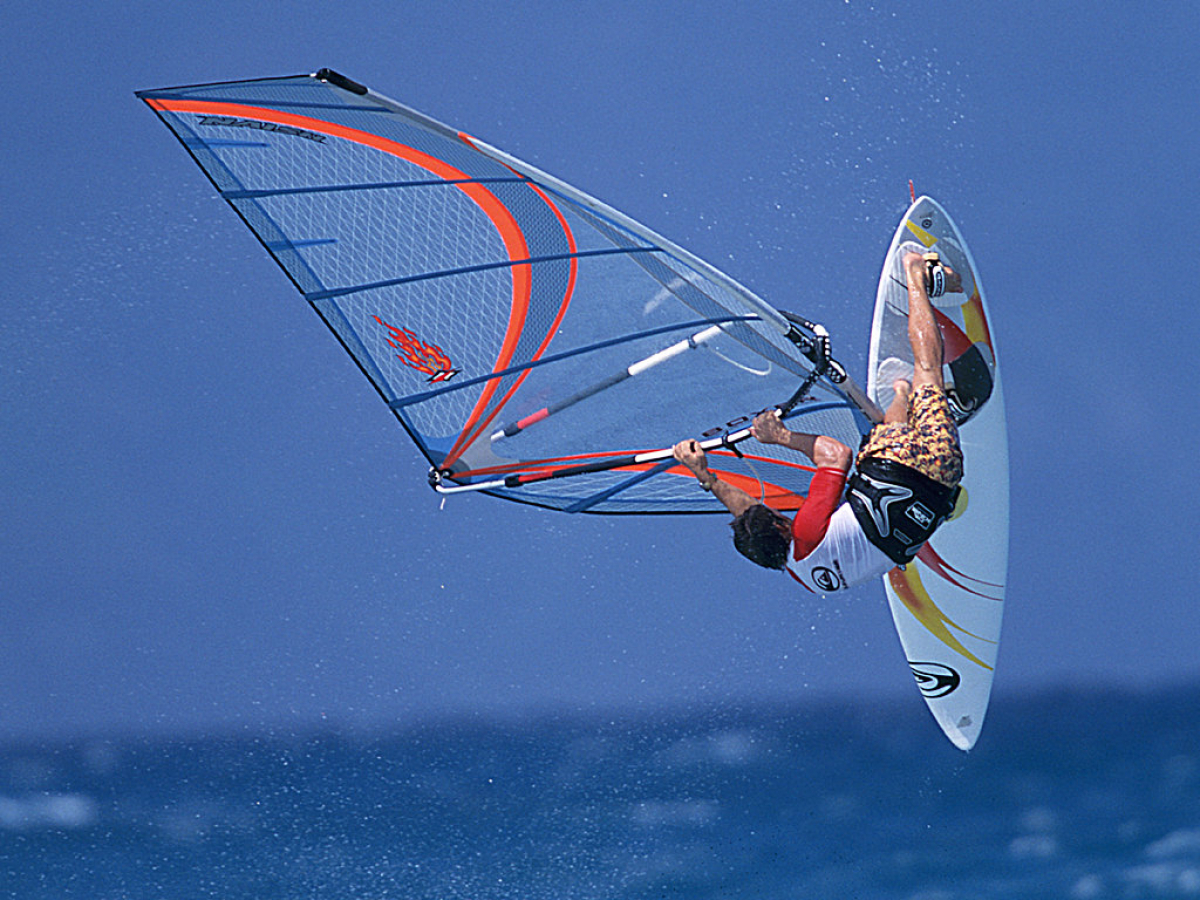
pixel 928 442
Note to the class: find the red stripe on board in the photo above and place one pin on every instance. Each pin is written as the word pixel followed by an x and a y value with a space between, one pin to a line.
pixel 954 339
pixel 940 567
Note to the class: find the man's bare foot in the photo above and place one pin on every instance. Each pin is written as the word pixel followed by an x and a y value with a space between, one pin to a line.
pixel 915 261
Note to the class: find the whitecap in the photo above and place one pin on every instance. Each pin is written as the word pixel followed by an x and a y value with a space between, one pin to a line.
pixel 1185 842
pixel 732 747
pixel 1033 846
pixel 1089 887
pixel 47 812
pixel 688 813
pixel 1166 878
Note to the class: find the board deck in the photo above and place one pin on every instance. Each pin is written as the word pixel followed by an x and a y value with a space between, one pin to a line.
pixel 947 605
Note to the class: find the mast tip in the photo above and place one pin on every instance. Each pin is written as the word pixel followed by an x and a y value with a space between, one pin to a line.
pixel 340 80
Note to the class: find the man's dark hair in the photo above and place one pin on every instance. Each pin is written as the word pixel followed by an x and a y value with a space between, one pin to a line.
pixel 757 537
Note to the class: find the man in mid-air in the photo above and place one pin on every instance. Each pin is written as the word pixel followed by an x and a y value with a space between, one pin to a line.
pixel 908 469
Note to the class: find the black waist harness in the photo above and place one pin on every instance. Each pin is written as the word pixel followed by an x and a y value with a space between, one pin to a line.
pixel 898 508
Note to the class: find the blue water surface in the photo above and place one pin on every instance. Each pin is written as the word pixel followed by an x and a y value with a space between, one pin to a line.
pixel 1076 795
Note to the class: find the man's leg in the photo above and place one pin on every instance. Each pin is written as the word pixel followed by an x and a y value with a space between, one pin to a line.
pixel 923 332
pixel 934 449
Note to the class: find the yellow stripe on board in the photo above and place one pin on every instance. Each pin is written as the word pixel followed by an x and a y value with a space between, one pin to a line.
pixel 921 234
pixel 906 583
pixel 976 324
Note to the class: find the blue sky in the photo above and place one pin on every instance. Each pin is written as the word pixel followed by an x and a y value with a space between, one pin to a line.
pixel 212 521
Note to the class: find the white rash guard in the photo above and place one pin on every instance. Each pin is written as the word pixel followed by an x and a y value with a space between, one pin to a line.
pixel 843 559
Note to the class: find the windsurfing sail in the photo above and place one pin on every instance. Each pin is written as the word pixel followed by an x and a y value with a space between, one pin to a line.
pixel 533 342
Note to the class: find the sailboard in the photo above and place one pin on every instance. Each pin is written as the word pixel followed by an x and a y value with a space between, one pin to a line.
pixel 538 346
pixel 948 603
pixel 535 344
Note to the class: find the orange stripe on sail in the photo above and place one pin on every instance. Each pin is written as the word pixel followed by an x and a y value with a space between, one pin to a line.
pixel 466 440
pixel 777 497
pixel 506 225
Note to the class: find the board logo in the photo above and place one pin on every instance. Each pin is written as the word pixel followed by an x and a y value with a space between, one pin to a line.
pixel 935 679
pixel 416 354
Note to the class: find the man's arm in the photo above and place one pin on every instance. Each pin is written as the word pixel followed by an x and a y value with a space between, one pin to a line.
pixel 823 450
pixel 733 498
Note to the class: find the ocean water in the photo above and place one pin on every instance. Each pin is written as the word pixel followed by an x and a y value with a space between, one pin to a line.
pixel 1075 795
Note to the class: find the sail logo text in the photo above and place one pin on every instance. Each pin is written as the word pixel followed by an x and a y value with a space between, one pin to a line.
pixel 231 122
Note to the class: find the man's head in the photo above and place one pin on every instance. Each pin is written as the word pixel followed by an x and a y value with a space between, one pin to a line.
pixel 763 536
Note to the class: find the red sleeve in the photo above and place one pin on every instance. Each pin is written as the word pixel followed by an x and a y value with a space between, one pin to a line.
pixel 812 521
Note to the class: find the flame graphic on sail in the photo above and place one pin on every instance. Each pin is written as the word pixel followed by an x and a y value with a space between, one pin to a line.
pixel 416 354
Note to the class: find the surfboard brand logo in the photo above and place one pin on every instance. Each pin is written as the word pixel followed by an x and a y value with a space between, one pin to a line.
pixel 231 122
pixel 416 354
pixel 935 679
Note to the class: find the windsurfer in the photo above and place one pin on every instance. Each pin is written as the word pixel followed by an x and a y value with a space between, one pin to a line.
pixel 908 469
